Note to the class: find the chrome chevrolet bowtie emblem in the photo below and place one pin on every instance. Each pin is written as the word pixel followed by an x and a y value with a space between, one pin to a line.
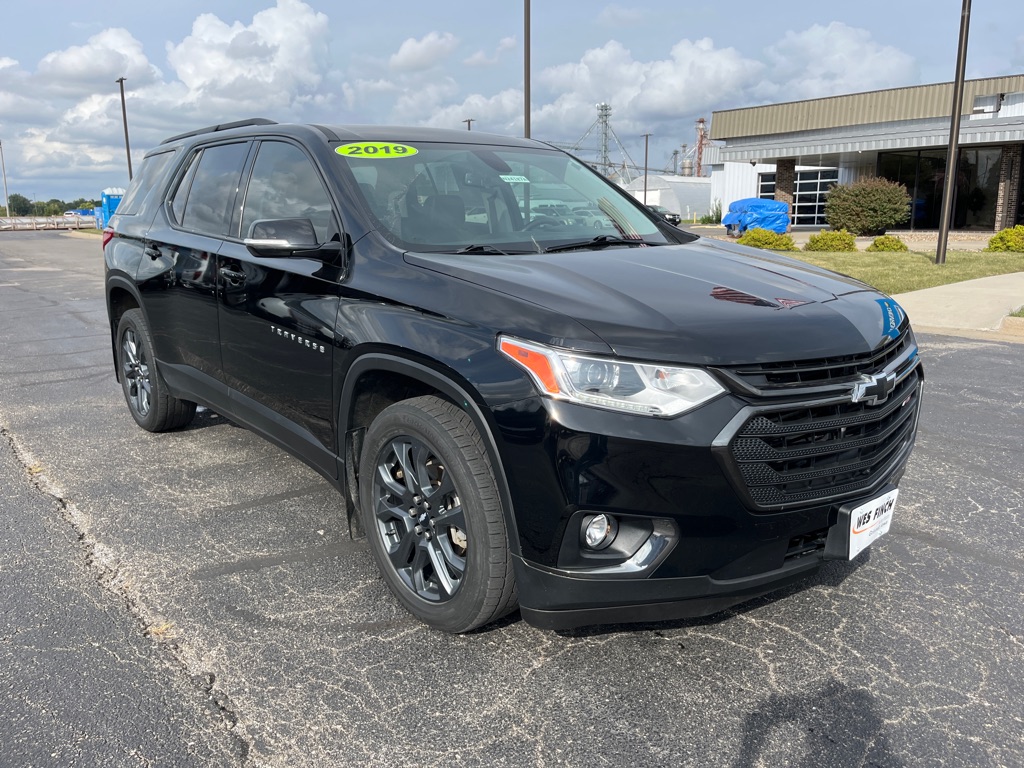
pixel 873 389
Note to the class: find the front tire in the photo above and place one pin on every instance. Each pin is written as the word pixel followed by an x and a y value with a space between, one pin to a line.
pixel 433 516
pixel 151 405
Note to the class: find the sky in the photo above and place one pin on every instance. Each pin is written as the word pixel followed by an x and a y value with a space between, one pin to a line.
pixel 660 65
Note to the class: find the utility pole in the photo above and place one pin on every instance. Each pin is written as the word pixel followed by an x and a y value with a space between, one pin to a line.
pixel 7 200
pixel 526 68
pixel 953 151
pixel 124 119
pixel 469 123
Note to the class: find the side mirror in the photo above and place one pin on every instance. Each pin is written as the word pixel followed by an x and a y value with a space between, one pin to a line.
pixel 281 237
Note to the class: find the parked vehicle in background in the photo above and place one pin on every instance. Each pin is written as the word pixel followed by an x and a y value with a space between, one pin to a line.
pixel 666 214
pixel 633 425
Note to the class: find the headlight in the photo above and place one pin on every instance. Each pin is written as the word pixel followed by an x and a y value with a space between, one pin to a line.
pixel 646 389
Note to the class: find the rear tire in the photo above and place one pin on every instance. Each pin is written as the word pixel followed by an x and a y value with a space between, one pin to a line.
pixel 149 402
pixel 433 517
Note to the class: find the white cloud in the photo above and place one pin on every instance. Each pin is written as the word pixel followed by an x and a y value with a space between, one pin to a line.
pixel 106 56
pixel 415 104
pixel 641 93
pixel 281 55
pixel 424 53
pixel 826 61
pixel 63 121
pixel 500 113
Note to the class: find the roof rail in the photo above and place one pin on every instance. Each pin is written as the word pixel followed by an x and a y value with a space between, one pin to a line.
pixel 221 127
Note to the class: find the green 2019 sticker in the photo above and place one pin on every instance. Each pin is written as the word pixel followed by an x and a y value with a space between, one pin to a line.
pixel 375 149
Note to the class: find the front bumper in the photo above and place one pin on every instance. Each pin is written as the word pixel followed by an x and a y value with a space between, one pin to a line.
pixel 552 600
pixel 568 462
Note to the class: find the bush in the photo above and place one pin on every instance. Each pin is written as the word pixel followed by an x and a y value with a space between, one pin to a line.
pixel 1008 240
pixel 715 216
pixel 868 206
pixel 841 241
pixel 888 244
pixel 765 238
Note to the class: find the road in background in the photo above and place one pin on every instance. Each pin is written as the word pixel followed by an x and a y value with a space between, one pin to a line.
pixel 211 567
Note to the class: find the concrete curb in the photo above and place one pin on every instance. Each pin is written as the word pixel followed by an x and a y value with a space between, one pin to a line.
pixel 1012 326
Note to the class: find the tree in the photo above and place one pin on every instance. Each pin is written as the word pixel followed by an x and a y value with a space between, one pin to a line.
pixel 867 207
pixel 20 205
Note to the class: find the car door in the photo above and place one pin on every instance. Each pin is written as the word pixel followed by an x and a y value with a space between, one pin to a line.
pixel 277 315
pixel 178 272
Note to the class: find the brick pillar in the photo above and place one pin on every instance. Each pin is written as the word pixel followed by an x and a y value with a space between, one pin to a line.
pixel 785 184
pixel 1008 196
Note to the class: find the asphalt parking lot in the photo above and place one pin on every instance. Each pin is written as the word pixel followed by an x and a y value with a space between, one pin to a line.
pixel 194 598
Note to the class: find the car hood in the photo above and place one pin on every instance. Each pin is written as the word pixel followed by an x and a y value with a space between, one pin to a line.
pixel 706 302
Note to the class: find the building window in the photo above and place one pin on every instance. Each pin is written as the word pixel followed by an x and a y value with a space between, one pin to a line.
pixel 766 186
pixel 923 173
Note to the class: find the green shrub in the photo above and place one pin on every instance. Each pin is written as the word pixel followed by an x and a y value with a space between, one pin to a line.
pixel 715 216
pixel 1008 240
pixel 888 244
pixel 868 206
pixel 841 241
pixel 765 238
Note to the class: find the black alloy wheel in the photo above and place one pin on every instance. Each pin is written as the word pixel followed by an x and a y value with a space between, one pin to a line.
pixel 150 404
pixel 420 519
pixel 433 518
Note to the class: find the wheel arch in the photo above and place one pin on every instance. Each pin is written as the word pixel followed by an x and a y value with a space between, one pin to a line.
pixel 379 379
pixel 121 296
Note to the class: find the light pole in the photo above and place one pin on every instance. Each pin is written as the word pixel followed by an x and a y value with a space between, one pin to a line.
pixel 469 123
pixel 7 200
pixel 526 68
pixel 953 152
pixel 124 119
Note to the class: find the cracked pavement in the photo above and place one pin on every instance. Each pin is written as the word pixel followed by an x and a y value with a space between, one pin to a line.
pixel 193 598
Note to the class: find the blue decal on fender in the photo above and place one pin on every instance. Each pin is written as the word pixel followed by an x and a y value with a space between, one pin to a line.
pixel 892 316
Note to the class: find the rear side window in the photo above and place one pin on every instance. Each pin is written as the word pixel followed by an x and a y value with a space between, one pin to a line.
pixel 210 197
pixel 152 171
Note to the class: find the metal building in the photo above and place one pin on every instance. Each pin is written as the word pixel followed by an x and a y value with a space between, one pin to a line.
pixel 795 151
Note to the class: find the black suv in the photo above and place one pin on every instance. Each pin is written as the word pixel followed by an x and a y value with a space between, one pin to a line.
pixel 637 425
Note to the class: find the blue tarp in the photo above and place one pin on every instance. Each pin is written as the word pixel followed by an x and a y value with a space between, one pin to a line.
pixel 754 213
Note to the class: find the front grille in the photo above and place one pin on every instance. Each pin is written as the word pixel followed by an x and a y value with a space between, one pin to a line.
pixel 798 454
pixel 772 378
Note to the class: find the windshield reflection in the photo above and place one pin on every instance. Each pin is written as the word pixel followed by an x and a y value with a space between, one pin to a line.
pixel 495 200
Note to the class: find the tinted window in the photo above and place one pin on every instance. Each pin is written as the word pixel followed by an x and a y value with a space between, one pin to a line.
pixel 285 185
pixel 181 195
pixel 212 193
pixel 152 171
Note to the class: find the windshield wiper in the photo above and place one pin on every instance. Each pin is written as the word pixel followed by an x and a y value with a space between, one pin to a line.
pixel 601 241
pixel 486 249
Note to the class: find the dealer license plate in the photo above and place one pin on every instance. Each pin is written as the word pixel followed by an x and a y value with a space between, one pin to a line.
pixel 869 521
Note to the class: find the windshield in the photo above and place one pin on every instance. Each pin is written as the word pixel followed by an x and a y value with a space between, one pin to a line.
pixel 450 197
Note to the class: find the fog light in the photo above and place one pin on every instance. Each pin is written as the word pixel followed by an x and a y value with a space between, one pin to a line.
pixel 599 531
